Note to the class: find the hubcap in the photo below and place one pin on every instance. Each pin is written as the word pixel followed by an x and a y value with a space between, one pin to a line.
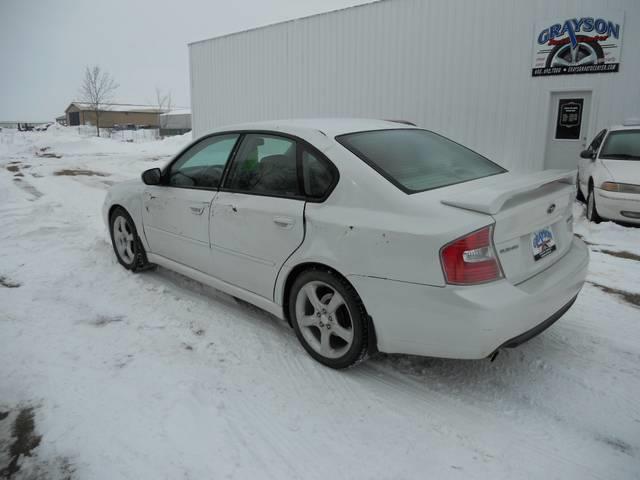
pixel 324 319
pixel 123 239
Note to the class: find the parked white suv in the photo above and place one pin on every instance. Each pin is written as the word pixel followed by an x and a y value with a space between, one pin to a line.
pixel 363 234
pixel 609 174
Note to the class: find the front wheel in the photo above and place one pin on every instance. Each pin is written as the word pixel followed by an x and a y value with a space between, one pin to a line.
pixel 592 211
pixel 579 195
pixel 329 319
pixel 126 243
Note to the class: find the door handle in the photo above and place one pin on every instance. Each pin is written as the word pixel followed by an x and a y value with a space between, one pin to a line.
pixel 284 222
pixel 196 210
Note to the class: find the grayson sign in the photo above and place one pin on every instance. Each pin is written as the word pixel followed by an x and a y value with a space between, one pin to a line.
pixel 578 45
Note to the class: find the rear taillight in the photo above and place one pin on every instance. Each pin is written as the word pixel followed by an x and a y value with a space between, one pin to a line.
pixel 471 259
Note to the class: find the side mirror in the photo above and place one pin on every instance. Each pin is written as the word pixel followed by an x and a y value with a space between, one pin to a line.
pixel 153 176
pixel 588 154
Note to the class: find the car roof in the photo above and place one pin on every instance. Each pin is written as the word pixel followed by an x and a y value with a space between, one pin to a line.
pixel 328 126
pixel 616 128
pixel 631 126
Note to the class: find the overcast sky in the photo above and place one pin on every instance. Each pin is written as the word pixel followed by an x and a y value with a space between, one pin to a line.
pixel 45 45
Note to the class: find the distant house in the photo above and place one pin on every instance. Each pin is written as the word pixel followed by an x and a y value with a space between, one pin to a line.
pixel 114 114
pixel 175 122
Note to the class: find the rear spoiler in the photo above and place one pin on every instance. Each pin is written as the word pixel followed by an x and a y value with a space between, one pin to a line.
pixel 490 199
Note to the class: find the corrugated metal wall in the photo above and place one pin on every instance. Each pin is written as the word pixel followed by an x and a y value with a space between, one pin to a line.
pixel 461 68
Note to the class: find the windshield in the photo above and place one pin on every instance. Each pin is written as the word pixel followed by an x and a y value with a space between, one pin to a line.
pixel 417 160
pixel 622 145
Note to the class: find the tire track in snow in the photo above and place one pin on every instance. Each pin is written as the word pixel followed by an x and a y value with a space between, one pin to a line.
pixel 464 416
pixel 555 377
pixel 280 457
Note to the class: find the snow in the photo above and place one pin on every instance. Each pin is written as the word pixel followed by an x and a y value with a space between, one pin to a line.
pixel 156 376
pixel 179 111
pixel 120 107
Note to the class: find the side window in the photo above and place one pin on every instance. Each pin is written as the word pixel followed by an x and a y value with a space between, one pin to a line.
pixel 265 164
pixel 597 141
pixel 317 175
pixel 202 165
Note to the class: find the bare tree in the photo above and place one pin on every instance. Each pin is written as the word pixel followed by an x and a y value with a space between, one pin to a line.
pixel 163 100
pixel 96 90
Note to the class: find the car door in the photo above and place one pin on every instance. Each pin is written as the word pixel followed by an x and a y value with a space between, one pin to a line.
pixel 258 215
pixel 176 213
pixel 587 165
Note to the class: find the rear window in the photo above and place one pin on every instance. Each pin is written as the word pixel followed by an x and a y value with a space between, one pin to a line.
pixel 417 160
pixel 622 145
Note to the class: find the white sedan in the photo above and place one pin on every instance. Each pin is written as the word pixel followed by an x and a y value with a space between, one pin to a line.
pixel 609 174
pixel 365 235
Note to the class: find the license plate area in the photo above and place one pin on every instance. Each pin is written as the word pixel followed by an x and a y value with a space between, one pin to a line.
pixel 542 243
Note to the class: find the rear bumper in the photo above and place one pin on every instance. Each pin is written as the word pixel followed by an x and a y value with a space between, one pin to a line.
pixel 538 329
pixel 618 206
pixel 471 322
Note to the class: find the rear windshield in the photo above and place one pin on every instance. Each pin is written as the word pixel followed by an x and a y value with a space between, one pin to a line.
pixel 417 160
pixel 622 145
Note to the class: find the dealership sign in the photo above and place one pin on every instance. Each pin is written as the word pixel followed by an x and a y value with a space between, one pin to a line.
pixel 578 45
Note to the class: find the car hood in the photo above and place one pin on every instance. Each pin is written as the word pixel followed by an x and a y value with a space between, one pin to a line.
pixel 624 171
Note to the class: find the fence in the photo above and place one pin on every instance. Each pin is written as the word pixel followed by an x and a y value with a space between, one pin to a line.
pixel 136 136
pixel 133 136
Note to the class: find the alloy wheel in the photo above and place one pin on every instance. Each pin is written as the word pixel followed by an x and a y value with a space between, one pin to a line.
pixel 124 239
pixel 324 319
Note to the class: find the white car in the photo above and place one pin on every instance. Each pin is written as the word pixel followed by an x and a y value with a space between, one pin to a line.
pixel 609 174
pixel 364 235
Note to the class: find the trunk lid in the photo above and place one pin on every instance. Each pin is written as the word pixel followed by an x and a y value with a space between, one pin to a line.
pixel 533 218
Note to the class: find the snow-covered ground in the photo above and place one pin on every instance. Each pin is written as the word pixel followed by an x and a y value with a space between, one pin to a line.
pixel 154 376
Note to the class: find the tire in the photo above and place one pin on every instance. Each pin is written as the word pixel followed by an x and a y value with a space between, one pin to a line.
pixel 579 195
pixel 592 211
pixel 126 242
pixel 334 333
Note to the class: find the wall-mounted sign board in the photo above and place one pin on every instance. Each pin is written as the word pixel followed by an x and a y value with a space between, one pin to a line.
pixel 581 44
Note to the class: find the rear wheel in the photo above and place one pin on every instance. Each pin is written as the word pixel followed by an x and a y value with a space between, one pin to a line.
pixel 592 211
pixel 329 319
pixel 126 242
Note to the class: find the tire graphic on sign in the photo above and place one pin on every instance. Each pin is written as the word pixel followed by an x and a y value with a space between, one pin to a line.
pixel 585 53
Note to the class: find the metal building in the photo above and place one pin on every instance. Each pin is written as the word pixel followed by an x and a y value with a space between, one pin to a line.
pixel 526 83
pixel 175 122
